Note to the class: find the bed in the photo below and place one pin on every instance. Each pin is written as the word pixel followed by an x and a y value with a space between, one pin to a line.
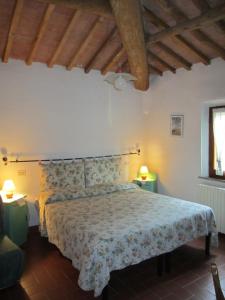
pixel 110 226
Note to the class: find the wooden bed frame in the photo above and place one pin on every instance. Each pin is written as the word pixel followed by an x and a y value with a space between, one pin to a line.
pixel 164 264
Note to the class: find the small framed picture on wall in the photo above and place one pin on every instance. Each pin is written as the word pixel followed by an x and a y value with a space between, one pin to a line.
pixel 177 125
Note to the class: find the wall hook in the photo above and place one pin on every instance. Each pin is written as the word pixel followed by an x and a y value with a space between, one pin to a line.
pixel 5 159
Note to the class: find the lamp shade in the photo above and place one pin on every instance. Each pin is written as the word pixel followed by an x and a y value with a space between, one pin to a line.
pixel 8 188
pixel 144 172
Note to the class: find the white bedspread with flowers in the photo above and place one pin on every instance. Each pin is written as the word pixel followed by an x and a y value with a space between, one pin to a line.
pixel 117 227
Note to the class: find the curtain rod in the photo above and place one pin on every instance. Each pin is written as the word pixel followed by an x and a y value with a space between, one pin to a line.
pixel 5 159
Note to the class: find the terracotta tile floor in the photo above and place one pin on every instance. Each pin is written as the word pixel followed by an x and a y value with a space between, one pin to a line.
pixel 50 276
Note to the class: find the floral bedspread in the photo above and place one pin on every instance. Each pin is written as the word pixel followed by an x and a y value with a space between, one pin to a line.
pixel 111 231
pixel 61 194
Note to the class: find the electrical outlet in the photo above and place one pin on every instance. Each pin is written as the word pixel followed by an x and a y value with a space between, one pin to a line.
pixel 21 172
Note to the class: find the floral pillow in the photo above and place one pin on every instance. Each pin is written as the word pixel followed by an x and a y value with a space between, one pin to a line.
pixel 62 175
pixel 102 171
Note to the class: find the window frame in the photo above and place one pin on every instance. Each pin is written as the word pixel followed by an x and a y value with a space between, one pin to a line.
pixel 211 145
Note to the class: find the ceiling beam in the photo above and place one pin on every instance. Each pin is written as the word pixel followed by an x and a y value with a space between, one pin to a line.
pixel 221 24
pixel 192 49
pixel 95 56
pixel 102 7
pixel 203 38
pixel 155 70
pixel 170 7
pixel 84 44
pixel 202 6
pixel 12 30
pixel 179 16
pixel 155 57
pixel 159 23
pixel 64 38
pixel 115 61
pixel 128 16
pixel 154 19
pixel 43 25
pixel 98 7
pixel 210 16
pixel 175 56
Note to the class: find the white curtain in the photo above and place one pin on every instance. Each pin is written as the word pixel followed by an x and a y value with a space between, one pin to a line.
pixel 219 138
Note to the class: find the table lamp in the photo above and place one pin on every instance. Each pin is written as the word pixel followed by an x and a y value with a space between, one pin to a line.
pixel 8 188
pixel 144 172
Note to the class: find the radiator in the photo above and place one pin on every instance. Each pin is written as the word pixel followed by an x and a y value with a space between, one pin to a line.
pixel 214 197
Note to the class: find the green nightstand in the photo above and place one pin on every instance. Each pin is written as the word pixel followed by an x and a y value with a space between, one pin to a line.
pixel 148 185
pixel 15 216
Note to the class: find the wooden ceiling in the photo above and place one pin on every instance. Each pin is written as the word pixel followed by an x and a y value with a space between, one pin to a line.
pixel 107 35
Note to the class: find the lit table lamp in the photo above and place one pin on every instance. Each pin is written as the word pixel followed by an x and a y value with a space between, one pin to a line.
pixel 8 188
pixel 146 180
pixel 144 172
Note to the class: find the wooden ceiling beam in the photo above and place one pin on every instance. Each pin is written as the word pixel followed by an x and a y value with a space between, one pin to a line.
pixel 114 61
pixel 95 56
pixel 196 52
pixel 12 30
pixel 202 6
pixel 154 19
pixel 203 38
pixel 212 15
pixel 153 56
pixel 175 56
pixel 128 16
pixel 155 70
pixel 98 7
pixel 84 44
pixel 179 16
pixel 64 38
pixel 43 25
pixel 171 9
pixel 158 22
pixel 222 25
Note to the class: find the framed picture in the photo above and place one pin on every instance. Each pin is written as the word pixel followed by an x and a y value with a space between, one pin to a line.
pixel 177 125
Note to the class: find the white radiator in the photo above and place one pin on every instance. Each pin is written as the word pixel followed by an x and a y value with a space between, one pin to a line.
pixel 214 197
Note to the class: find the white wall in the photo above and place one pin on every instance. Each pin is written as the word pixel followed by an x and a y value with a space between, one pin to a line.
pixel 177 160
pixel 55 113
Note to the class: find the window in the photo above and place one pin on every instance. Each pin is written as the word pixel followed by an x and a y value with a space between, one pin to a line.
pixel 217 142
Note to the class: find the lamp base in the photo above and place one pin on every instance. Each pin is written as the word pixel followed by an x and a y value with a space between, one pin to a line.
pixel 9 196
pixel 143 177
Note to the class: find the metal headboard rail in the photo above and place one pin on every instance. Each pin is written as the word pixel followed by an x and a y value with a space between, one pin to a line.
pixel 5 159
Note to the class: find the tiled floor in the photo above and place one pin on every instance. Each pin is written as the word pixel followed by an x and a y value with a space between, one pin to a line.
pixel 49 276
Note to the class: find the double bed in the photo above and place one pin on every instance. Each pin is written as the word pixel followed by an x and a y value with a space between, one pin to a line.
pixel 108 227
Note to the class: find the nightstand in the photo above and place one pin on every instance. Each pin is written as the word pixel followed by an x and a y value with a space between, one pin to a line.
pixel 15 218
pixel 148 185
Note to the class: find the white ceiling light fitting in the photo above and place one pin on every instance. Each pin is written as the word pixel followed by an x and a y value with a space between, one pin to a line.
pixel 119 80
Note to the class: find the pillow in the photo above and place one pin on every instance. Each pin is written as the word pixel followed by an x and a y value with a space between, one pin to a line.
pixel 102 171
pixel 62 175
pixel 102 189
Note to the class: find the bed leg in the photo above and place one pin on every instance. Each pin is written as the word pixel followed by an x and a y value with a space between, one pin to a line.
pixel 160 259
pixel 207 244
pixel 105 293
pixel 168 262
